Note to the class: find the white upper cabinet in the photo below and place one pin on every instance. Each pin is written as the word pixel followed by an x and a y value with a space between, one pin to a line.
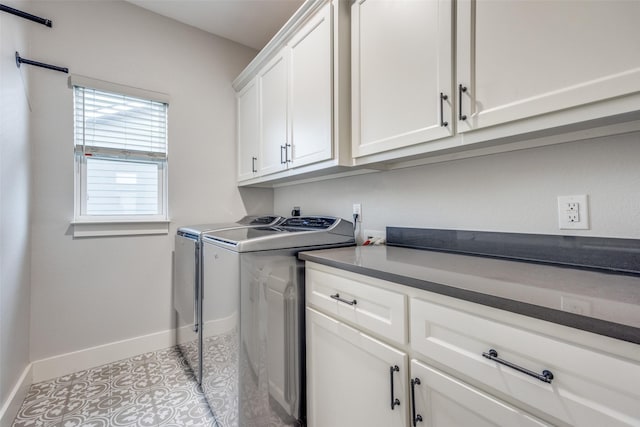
pixel 248 131
pixel 523 69
pixel 303 85
pixel 519 59
pixel 273 115
pixel 367 82
pixel 401 73
pixel 310 90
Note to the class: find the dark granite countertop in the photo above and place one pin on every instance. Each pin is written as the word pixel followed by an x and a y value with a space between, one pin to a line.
pixel 602 303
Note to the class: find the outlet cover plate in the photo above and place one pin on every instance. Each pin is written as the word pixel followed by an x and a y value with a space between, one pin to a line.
pixel 357 210
pixel 573 212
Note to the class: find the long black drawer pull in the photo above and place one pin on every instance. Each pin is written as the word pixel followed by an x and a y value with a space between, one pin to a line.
pixel 337 297
pixel 546 375
pixel 394 401
pixel 443 98
pixel 461 90
pixel 415 418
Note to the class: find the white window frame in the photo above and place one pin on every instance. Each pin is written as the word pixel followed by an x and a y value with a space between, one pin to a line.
pixel 114 225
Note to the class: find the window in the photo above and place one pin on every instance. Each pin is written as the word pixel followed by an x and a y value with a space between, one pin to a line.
pixel 120 154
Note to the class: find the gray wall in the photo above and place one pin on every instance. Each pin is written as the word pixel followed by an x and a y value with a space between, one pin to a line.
pixel 92 291
pixel 15 186
pixel 510 192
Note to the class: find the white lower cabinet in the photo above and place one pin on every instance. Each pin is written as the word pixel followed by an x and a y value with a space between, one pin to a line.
pixel 439 400
pixel 351 377
pixel 368 308
pixel 585 388
pixel 476 366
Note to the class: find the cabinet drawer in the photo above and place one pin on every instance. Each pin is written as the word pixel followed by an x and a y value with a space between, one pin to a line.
pixel 380 311
pixel 443 401
pixel 588 388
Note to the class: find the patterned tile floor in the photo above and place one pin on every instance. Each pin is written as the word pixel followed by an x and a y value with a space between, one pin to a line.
pixel 152 389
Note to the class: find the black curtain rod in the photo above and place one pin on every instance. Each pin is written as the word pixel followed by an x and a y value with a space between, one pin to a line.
pixel 39 64
pixel 26 15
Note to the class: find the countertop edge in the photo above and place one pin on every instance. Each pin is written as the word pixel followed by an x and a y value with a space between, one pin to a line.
pixel 585 323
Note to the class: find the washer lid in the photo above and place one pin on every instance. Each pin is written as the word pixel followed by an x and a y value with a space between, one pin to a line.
pixel 247 221
pixel 296 232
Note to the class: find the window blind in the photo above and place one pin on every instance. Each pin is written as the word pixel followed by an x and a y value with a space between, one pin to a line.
pixel 114 125
pixel 121 152
pixel 121 187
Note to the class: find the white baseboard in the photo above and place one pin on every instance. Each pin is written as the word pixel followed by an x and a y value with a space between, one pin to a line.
pixel 211 327
pixel 68 363
pixel 13 403
pixel 220 326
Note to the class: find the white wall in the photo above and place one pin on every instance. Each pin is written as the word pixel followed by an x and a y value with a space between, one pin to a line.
pixel 93 291
pixel 510 192
pixel 14 209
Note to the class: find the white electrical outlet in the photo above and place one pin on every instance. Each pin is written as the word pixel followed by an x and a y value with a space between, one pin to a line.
pixel 573 217
pixel 357 210
pixel 573 212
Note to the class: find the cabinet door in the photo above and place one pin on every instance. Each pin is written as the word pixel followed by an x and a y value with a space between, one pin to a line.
pixel 311 90
pixel 519 59
pixel 273 115
pixel 248 131
pixel 443 401
pixel 401 64
pixel 349 377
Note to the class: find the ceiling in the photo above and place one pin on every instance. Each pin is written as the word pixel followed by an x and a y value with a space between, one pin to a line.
pixel 248 22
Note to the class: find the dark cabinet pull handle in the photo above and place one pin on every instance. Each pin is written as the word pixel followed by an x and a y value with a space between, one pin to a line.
pixel 546 375
pixel 415 418
pixel 394 401
pixel 287 148
pixel 253 164
pixel 337 297
pixel 282 158
pixel 443 98
pixel 461 90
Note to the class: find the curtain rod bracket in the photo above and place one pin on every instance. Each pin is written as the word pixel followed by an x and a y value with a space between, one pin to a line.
pixel 26 15
pixel 39 64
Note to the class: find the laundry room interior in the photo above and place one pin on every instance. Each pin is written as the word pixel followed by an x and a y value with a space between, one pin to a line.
pixel 397 184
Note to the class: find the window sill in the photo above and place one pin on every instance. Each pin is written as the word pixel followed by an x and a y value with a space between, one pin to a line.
pixel 84 228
